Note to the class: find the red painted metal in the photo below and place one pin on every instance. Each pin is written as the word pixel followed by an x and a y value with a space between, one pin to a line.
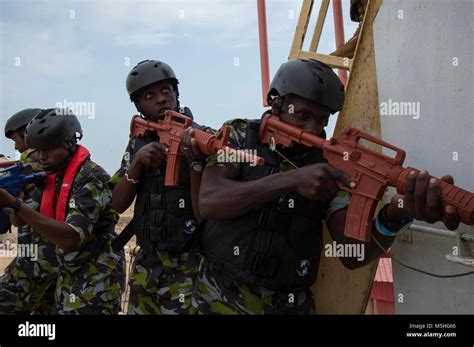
pixel 7 163
pixel 382 288
pixel 263 41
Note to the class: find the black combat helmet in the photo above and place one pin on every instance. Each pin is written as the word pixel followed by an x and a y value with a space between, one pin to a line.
pixel 309 79
pixel 20 120
pixel 52 127
pixel 148 72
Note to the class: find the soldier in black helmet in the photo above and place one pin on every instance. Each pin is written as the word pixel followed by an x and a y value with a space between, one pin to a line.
pixel 263 236
pixel 73 211
pixel 165 218
pixel 16 125
pixel 28 283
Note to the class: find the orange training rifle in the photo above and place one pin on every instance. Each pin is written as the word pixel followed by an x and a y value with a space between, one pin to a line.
pixel 371 171
pixel 170 129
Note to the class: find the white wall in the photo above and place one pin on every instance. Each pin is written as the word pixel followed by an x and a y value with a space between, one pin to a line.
pixel 415 56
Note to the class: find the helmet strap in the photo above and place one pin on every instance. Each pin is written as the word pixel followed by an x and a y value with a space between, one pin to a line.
pixel 277 105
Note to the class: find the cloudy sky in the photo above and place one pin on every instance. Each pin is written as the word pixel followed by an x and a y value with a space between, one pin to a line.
pixel 58 51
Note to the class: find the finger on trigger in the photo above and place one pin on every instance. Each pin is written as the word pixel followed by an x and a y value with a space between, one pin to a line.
pixel 341 176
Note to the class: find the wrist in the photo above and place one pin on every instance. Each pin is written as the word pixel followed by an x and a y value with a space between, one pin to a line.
pixel 390 225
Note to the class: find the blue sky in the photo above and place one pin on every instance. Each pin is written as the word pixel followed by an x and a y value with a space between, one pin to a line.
pixel 81 51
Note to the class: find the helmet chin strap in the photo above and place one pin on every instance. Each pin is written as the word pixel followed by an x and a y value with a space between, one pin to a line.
pixel 277 105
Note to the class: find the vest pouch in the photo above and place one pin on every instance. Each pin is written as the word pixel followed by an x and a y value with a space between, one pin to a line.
pixel 150 229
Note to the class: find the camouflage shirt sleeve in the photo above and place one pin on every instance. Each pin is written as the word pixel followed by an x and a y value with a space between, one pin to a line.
pixel 126 161
pixel 86 205
pixel 238 130
pixel 29 163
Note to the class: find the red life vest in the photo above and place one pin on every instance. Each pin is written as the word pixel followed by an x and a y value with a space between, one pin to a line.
pixel 52 208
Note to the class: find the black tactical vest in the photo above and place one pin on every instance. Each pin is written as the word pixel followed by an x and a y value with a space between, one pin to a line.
pixel 163 217
pixel 275 247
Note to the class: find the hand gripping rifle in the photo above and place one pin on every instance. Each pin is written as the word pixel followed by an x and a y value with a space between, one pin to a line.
pixel 13 182
pixel 372 172
pixel 170 129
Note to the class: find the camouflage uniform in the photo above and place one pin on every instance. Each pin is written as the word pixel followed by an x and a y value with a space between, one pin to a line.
pixel 91 278
pixel 216 293
pixel 28 285
pixel 161 282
